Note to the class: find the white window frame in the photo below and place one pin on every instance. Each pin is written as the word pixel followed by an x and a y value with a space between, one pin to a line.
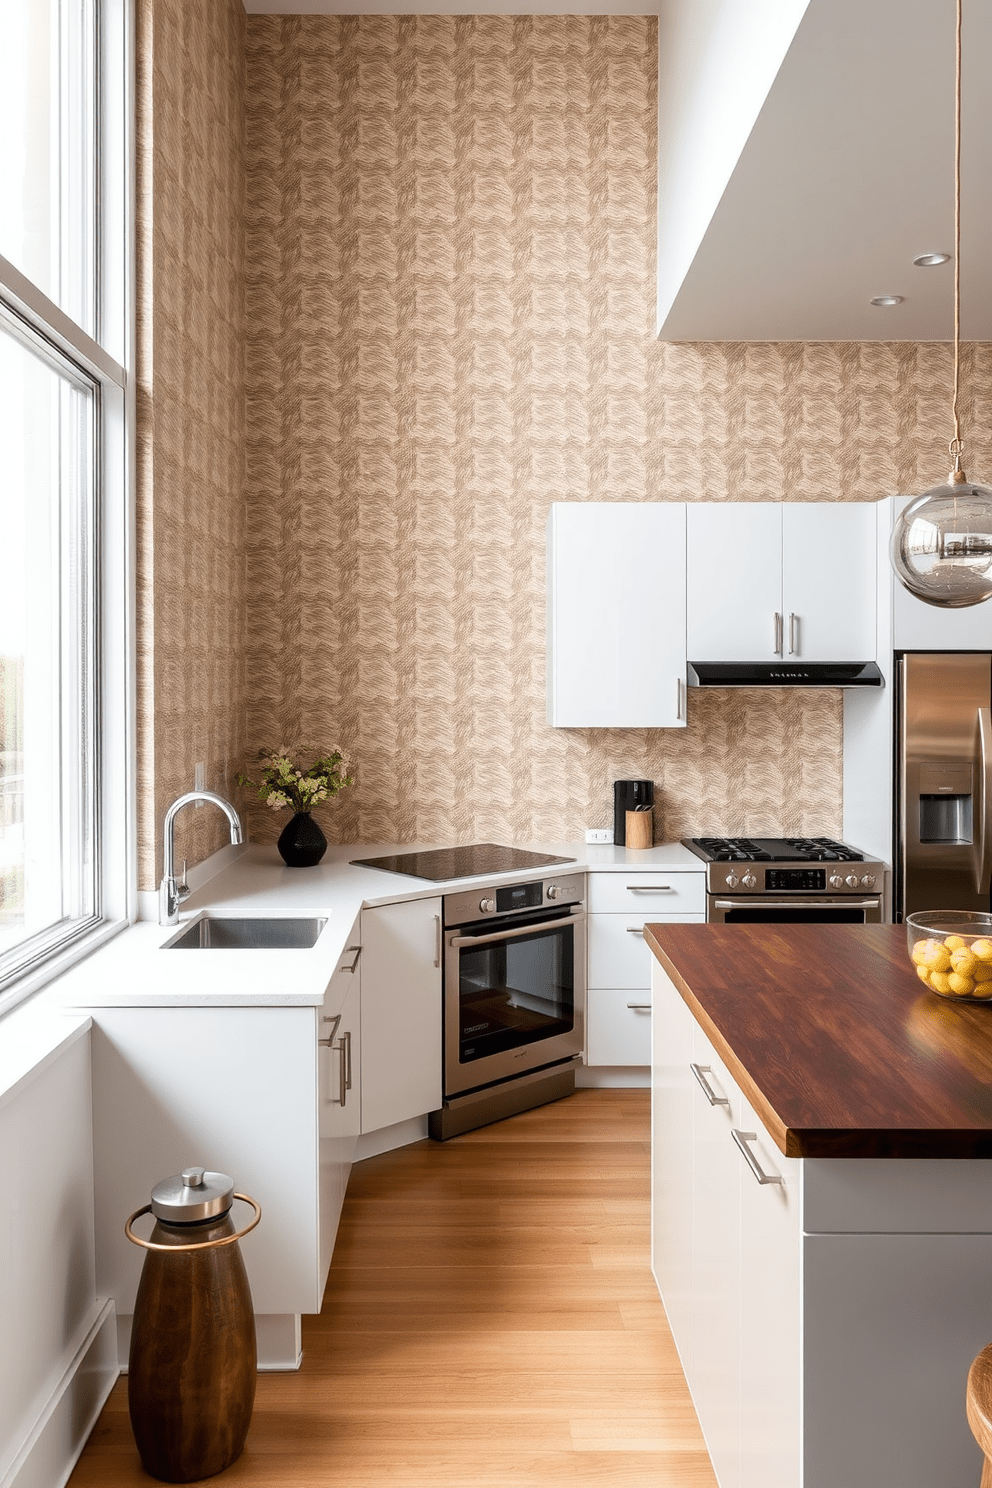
pixel 109 362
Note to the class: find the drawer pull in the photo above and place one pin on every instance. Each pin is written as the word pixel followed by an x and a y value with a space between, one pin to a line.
pixel 358 952
pixel 327 1042
pixel 635 929
pixel 639 1007
pixel 741 1139
pixel 701 1071
pixel 650 889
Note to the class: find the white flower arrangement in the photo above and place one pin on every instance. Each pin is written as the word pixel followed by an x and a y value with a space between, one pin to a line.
pixel 287 784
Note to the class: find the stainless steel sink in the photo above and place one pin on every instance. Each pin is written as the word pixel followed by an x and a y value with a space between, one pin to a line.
pixel 247 933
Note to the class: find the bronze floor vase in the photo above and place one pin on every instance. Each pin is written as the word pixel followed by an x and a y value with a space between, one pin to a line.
pixel 192 1362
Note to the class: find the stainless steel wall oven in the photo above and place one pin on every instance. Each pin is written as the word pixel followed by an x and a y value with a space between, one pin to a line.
pixel 514 1000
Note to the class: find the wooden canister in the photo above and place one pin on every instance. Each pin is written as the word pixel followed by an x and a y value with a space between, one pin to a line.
pixel 192 1364
pixel 640 828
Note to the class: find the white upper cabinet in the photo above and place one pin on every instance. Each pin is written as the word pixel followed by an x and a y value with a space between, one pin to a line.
pixel 918 626
pixel 616 615
pixel 790 580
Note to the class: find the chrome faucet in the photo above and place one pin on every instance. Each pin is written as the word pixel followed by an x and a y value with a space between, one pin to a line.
pixel 171 894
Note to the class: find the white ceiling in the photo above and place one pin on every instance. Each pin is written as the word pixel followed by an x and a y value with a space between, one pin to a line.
pixel 845 177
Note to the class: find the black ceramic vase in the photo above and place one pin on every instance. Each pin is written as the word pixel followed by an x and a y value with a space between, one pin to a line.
pixel 302 843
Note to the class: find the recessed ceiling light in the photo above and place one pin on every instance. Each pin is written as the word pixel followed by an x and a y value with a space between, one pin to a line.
pixel 930 260
pixel 887 300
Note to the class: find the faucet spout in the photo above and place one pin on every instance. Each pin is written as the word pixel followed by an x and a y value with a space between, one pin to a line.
pixel 171 893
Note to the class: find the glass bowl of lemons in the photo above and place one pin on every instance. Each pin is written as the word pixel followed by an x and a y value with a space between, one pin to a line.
pixel 951 952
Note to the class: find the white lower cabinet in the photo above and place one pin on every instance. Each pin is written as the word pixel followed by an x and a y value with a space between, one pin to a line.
pixel 401 1012
pixel 826 1322
pixel 339 1056
pixel 618 1027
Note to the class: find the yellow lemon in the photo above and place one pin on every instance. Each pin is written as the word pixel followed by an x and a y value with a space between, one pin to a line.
pixel 924 975
pixel 982 971
pixel 919 950
pixel 939 982
pixel 963 961
pixel 936 956
pixel 961 986
pixel 982 989
pixel 982 948
pixel 954 942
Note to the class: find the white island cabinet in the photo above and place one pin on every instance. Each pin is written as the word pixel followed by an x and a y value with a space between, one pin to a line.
pixel 825 1317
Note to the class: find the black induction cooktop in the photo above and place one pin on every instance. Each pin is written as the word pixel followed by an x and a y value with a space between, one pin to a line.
pixel 475 861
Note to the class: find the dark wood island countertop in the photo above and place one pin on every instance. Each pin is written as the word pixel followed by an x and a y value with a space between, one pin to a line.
pixel 834 1040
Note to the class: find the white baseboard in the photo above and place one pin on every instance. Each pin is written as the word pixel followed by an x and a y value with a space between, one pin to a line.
pixel 613 1077
pixel 68 1416
pixel 278 1341
pixel 370 1144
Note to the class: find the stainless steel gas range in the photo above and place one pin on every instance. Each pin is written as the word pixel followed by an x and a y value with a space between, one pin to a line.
pixel 789 880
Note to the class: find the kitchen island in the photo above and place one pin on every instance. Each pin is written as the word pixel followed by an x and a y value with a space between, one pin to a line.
pixel 822 1202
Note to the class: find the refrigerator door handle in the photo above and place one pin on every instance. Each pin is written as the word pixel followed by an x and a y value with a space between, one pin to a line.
pixel 983 857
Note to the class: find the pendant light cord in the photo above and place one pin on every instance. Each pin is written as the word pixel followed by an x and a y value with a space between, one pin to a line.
pixel 956 447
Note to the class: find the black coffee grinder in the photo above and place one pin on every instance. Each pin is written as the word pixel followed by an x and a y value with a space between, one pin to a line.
pixel 628 795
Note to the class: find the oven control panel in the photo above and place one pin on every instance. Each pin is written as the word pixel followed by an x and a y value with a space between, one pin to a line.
pixel 510 899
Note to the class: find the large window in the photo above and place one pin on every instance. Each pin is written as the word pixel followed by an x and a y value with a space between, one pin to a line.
pixel 64 752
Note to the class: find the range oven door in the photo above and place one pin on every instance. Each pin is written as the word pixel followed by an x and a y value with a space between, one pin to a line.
pixel 514 997
pixel 781 909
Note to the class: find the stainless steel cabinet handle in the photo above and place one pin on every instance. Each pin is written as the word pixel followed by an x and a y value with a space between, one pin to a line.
pixel 635 929
pixel 327 1042
pixel 983 863
pixel 439 941
pixel 777 648
pixel 358 952
pixel 701 1071
pixel 346 1038
pixel 650 889
pixel 639 1007
pixel 741 1139
pixel 679 708
pixel 793 646
pixel 342 1073
pixel 460 940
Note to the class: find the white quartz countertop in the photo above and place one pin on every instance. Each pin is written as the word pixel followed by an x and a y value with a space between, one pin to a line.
pixel 134 969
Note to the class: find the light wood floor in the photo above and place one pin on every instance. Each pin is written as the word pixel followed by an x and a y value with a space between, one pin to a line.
pixel 490 1321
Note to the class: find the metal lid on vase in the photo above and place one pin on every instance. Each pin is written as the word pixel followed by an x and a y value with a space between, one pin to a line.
pixel 192 1196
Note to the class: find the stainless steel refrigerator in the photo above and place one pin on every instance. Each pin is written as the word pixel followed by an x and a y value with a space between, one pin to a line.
pixel 944 754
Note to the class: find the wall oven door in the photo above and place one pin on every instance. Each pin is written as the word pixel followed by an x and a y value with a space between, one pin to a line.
pixel 514 996
pixel 781 909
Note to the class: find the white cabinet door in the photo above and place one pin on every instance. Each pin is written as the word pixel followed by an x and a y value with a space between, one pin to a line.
pixel 733 580
pixel 618 1026
pixel 616 615
pixel 401 1012
pixel 829 580
pixel 672 1102
pixel 338 1110
pixel 715 1379
pixel 770 1314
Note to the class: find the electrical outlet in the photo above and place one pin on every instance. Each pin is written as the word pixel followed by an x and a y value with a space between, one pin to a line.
pixel 199 774
pixel 599 834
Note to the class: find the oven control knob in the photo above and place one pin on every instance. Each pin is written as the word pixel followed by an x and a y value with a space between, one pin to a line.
pixel 749 881
pixel 836 882
pixel 851 880
pixel 488 906
pixel 555 891
pixel 732 880
pixel 868 881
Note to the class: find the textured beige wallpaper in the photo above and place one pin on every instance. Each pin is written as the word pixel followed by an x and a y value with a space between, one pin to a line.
pixel 191 517
pixel 450 300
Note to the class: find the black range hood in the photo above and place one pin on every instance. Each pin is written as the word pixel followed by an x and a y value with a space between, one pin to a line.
pixel 783 674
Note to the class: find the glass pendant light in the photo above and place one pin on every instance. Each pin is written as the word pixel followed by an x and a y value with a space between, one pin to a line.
pixel 942 543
